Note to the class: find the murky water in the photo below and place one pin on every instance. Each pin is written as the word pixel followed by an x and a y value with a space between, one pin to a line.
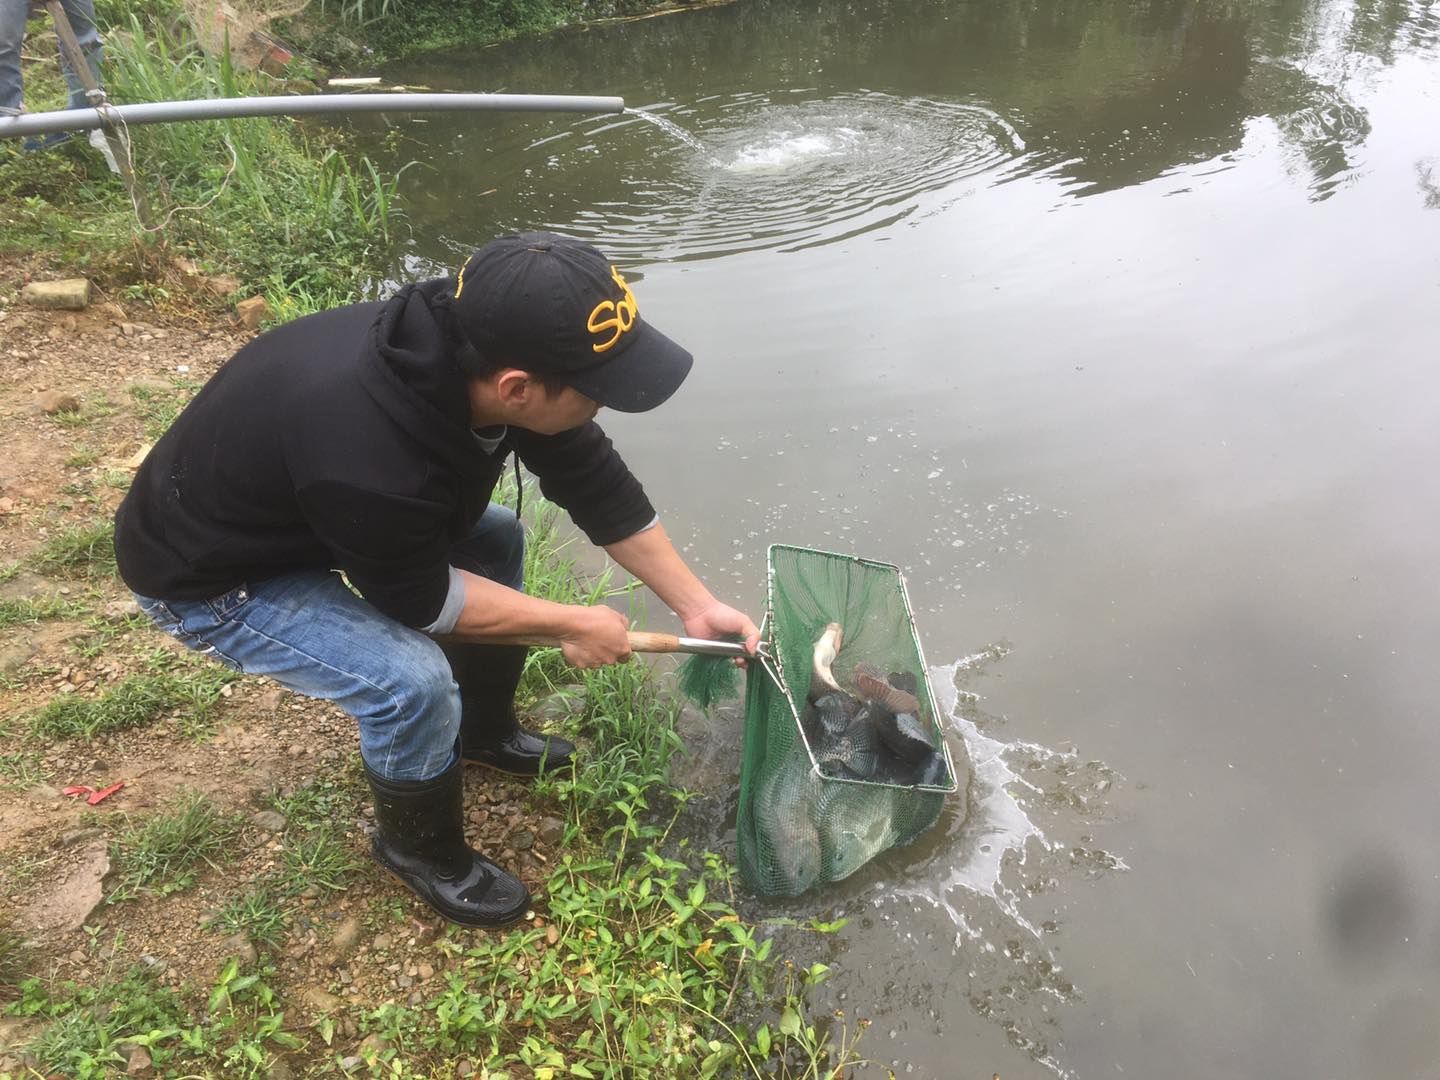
pixel 1114 324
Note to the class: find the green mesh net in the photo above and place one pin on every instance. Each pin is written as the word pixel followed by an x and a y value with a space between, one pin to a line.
pixel 823 792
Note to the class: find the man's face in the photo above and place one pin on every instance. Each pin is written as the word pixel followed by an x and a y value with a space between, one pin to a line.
pixel 551 413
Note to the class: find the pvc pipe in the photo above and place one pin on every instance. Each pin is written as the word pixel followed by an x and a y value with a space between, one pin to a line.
pixel 159 112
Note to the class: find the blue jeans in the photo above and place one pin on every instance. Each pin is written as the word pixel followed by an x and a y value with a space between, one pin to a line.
pixel 311 634
pixel 13 14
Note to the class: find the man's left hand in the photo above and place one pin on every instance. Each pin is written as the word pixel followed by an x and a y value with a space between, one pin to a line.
pixel 720 621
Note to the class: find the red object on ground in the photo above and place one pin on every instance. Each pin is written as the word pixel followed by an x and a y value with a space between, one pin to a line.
pixel 91 796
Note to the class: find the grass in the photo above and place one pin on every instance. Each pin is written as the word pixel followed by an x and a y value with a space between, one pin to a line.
pixel 21 768
pixel 28 611
pixel 317 859
pixel 137 702
pixel 16 959
pixel 159 408
pixel 163 854
pixel 290 214
pixel 86 550
pixel 258 914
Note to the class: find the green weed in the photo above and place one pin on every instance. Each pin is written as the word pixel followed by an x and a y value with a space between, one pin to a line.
pixel 164 853
pixel 81 550
pixel 88 1024
pixel 318 804
pixel 104 630
pixel 82 458
pixel 28 611
pixel 258 914
pixel 138 701
pixel 21 768
pixel 159 408
pixel 16 959
pixel 318 858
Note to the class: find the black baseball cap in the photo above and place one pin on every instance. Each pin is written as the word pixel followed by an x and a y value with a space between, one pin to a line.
pixel 556 306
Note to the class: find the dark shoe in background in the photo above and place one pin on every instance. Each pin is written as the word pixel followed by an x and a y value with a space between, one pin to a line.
pixel 490 732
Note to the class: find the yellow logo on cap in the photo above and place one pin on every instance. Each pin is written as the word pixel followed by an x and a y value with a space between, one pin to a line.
pixel 460 282
pixel 622 315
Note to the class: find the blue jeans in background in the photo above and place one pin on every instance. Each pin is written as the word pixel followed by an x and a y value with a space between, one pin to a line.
pixel 13 14
pixel 311 634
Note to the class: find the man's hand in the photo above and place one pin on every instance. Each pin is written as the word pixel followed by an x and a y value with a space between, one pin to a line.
pixel 719 621
pixel 599 636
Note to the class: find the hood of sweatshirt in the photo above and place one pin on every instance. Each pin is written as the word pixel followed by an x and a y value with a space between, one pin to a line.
pixel 410 371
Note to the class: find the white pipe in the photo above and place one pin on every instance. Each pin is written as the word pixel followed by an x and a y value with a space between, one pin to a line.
pixel 158 112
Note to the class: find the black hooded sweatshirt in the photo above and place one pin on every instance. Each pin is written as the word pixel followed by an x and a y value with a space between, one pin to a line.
pixel 343 441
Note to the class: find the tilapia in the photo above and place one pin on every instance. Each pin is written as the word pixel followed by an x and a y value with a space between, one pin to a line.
pixel 855 826
pixel 905 736
pixel 827 647
pixel 873 686
pixel 784 814
pixel 852 753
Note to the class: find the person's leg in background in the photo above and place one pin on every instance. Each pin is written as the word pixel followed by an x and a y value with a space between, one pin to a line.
pixel 13 14
pixel 488 675
pixel 310 633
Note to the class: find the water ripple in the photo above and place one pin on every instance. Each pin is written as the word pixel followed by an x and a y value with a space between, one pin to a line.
pixel 756 174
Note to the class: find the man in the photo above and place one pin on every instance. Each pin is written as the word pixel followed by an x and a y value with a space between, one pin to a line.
pixel 13 16
pixel 368 439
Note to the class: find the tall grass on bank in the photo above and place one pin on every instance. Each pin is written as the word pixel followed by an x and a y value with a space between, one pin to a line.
pixel 280 206
pixel 288 211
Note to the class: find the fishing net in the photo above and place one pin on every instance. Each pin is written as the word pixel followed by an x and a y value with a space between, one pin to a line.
pixel 828 784
pixel 242 26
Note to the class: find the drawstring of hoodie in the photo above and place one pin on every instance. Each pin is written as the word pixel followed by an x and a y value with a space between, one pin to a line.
pixel 519 492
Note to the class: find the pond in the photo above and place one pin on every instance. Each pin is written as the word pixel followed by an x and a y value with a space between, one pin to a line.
pixel 1114 325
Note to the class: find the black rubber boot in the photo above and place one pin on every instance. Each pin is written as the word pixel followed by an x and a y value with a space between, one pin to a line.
pixel 420 838
pixel 490 732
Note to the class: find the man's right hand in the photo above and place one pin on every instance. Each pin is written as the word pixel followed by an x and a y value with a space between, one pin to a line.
pixel 600 636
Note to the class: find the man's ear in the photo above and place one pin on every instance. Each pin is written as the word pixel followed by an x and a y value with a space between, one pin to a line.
pixel 513 387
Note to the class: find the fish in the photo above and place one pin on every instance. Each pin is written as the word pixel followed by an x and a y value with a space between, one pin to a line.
pixel 852 753
pixel 872 686
pixel 905 736
pixel 835 711
pixel 855 826
pixel 827 647
pixel 933 771
pixel 784 815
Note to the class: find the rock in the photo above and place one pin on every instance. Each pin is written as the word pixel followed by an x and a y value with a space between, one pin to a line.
pixel 320 1001
pixel 522 839
pixel 139 1063
pixel 55 402
pixel 270 700
pixel 242 948
pixel 65 902
pixel 351 1063
pixel 425 971
pixel 253 312
pixel 129 329
pixel 382 942
pixel 279 1069
pixel 564 703
pixel 69 294
pixel 42 793
pixel 270 820
pixel 7 506
pixel 74 836
pixel 552 935
pixel 347 936
pixel 15 654
pixel 120 609
pixel 220 285
pixel 551 831
pixel 372 1045
pixel 464 1068
pixel 135 460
